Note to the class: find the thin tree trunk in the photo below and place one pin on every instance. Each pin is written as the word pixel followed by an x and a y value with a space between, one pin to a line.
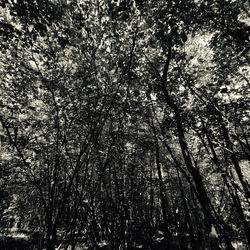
pixel 167 234
pixel 235 197
pixel 239 209
pixel 234 159
pixel 186 212
pixel 200 244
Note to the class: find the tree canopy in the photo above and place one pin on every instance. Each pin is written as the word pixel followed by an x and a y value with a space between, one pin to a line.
pixel 124 124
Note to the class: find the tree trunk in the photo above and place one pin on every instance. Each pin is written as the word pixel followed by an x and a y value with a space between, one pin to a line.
pixel 186 212
pixel 201 192
pixel 239 209
pixel 235 197
pixel 51 240
pixel 167 234
pixel 199 244
pixel 234 159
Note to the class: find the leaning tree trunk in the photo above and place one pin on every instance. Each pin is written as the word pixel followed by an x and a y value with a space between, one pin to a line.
pixel 235 197
pixel 201 191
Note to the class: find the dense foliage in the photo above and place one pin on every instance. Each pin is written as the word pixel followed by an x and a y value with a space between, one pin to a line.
pixel 125 123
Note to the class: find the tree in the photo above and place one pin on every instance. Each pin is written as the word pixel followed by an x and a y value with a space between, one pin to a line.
pixel 124 121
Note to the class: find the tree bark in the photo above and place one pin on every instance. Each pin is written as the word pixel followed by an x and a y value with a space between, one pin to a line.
pixel 186 212
pixel 167 234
